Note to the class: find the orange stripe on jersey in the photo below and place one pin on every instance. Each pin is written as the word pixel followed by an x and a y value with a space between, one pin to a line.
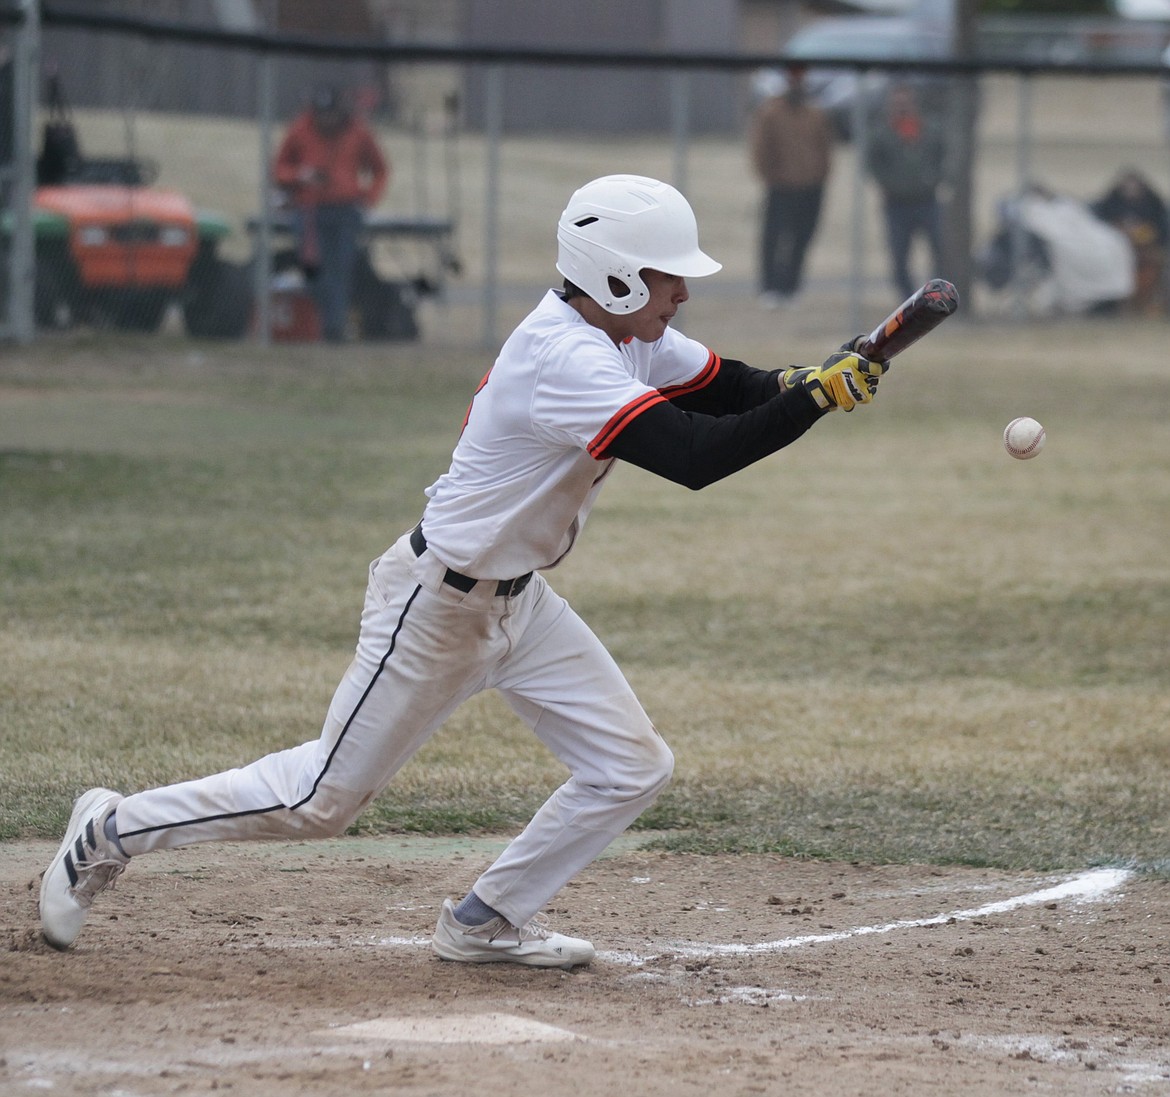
pixel 701 380
pixel 620 420
pixel 478 390
pixel 635 408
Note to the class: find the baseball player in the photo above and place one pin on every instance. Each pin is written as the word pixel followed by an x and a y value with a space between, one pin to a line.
pixel 458 604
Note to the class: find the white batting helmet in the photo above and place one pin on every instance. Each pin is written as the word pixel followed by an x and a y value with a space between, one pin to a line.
pixel 619 225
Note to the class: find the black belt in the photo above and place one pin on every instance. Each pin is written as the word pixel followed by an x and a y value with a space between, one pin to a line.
pixel 505 588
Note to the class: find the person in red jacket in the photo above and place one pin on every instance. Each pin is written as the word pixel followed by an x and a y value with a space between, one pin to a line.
pixel 332 170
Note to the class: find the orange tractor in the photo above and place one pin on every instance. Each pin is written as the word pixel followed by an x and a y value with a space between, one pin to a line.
pixel 114 251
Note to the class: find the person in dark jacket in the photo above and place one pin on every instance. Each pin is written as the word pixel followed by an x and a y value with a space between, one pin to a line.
pixel 906 158
pixel 1132 205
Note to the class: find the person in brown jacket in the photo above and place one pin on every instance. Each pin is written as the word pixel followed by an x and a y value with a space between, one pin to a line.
pixel 791 148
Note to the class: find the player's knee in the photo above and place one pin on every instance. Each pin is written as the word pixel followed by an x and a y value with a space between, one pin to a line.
pixel 326 814
pixel 655 769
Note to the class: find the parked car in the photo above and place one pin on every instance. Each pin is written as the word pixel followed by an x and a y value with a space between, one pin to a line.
pixel 924 33
pixel 878 38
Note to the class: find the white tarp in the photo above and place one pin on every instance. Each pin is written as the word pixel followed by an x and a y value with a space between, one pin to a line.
pixel 1091 261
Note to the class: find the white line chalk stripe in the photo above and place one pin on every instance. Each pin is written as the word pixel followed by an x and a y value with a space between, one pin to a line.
pixel 1087 887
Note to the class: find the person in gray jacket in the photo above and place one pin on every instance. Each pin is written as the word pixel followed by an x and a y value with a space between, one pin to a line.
pixel 906 158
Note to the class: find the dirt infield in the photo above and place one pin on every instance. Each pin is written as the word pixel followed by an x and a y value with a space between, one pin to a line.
pixel 303 969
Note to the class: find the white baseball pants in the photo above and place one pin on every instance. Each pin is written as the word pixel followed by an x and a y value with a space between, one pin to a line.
pixel 424 648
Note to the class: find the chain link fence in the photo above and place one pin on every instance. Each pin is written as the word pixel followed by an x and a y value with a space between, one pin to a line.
pixel 8 169
pixel 136 170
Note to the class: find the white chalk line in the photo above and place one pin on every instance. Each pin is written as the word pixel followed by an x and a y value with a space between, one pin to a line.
pixel 1087 887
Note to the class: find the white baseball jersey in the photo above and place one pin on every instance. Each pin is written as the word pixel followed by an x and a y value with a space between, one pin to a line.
pixel 528 465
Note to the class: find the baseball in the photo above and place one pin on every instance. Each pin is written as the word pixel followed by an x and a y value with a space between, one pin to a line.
pixel 1023 438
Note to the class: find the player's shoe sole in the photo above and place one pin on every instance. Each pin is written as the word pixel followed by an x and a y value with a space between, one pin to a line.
pixel 498 941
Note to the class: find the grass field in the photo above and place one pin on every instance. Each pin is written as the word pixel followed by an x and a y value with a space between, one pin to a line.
pixel 890 642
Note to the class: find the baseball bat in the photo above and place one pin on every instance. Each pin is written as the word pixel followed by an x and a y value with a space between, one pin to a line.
pixel 915 317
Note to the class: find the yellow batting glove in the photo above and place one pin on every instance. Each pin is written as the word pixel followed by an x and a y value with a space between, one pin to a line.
pixel 844 381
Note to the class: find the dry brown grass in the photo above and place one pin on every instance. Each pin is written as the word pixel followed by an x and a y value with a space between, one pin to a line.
pixel 891 641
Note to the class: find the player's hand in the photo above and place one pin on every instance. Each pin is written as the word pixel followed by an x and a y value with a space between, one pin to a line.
pixel 843 381
pixel 875 367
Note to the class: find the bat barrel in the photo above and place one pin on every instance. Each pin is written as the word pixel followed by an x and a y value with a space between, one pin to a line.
pixel 919 314
pixel 939 295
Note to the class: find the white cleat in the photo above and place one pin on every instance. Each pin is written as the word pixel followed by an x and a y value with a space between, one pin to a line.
pixel 498 941
pixel 86 864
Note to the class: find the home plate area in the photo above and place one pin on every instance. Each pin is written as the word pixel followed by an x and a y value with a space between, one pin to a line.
pixel 297 970
pixel 480 1028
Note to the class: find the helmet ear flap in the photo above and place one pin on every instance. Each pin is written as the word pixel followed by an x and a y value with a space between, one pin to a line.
pixel 627 292
pixel 599 271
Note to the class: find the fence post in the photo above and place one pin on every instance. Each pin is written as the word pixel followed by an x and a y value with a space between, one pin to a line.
pixel 680 115
pixel 962 124
pixel 263 265
pixel 22 261
pixel 1023 172
pixel 860 126
pixel 493 111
